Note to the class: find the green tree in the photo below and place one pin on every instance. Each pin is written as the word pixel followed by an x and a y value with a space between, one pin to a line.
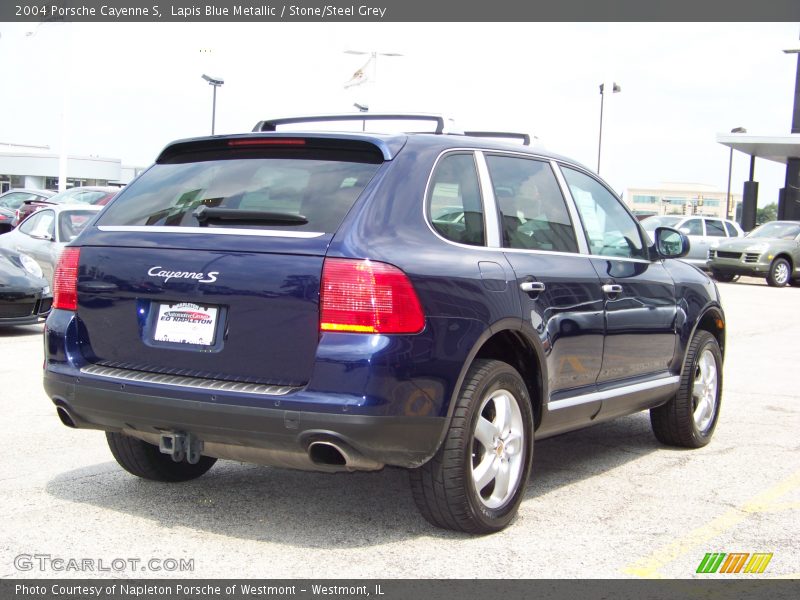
pixel 768 213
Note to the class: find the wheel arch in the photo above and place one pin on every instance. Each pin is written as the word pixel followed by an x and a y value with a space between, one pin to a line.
pixel 507 342
pixel 787 256
pixel 712 320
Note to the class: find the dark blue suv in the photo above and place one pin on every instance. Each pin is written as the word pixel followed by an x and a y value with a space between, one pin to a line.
pixel 346 301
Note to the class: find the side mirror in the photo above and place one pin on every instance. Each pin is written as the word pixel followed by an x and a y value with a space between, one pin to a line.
pixel 670 243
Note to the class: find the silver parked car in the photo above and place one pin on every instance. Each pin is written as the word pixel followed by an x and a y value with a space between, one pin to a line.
pixel 11 200
pixel 704 233
pixel 771 250
pixel 44 234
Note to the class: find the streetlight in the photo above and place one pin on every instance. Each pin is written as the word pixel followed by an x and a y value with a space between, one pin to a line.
pixel 614 89
pixel 215 82
pixel 730 166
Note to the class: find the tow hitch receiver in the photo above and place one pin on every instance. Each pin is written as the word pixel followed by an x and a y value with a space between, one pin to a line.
pixel 181 446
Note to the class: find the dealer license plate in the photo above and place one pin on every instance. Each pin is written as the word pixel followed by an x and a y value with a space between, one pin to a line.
pixel 186 323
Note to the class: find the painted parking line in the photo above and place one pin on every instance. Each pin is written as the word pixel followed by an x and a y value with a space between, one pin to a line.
pixel 766 501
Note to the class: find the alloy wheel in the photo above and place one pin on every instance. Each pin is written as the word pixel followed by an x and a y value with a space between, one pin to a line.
pixel 704 390
pixel 498 456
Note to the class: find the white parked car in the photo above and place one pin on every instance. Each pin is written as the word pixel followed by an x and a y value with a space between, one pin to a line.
pixel 704 233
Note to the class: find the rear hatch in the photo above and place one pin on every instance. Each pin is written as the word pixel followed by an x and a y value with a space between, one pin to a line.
pixel 209 264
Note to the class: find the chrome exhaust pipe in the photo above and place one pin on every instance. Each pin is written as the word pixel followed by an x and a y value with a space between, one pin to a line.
pixel 335 453
pixel 326 453
pixel 65 417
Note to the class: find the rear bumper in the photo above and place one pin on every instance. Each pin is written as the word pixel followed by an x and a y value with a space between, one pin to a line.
pixel 283 436
pixel 384 397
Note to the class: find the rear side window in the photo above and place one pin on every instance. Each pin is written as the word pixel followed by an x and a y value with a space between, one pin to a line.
pixel 732 232
pixel 303 194
pixel 533 214
pixel 454 200
pixel 714 228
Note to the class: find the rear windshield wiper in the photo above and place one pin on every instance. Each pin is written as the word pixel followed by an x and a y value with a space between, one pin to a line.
pixel 235 216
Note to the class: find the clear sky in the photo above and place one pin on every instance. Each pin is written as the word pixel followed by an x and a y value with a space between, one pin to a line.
pixel 132 88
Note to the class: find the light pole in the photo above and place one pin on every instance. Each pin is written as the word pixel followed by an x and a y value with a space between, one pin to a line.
pixel 730 167
pixel 614 89
pixel 215 82
pixel 789 204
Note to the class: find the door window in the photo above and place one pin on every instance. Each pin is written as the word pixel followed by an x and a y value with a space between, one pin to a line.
pixel 533 214
pixel 40 224
pixel 454 200
pixel 714 228
pixel 610 229
pixel 692 227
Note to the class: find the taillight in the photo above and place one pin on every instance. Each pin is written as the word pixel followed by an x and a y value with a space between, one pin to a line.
pixel 364 296
pixel 268 142
pixel 65 280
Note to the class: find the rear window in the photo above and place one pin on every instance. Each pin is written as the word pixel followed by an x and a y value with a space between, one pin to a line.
pixel 78 195
pixel 320 191
pixel 71 223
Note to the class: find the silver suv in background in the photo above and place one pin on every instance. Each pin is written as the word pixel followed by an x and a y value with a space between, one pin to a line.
pixel 704 233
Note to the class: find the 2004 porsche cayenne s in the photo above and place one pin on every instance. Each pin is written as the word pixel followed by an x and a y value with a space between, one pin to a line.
pixel 343 301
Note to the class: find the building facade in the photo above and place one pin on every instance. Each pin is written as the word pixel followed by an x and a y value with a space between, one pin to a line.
pixel 35 167
pixel 680 199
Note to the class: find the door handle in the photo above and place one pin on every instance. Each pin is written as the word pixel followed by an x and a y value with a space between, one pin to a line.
pixel 532 287
pixel 612 288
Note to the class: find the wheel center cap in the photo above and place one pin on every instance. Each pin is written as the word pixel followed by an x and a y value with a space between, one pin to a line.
pixel 500 449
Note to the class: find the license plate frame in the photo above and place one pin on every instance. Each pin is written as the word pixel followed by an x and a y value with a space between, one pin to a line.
pixel 186 324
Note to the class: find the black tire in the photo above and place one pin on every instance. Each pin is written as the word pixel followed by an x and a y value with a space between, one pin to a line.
pixel 444 489
pixel 675 422
pixel 146 460
pixel 780 272
pixel 723 277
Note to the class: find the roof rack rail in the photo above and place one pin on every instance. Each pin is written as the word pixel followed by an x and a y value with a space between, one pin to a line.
pixel 272 124
pixel 526 139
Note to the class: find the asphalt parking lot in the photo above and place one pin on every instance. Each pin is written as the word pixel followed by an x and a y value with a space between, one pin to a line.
pixel 605 502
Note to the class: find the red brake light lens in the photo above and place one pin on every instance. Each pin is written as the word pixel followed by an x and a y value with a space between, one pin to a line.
pixel 363 296
pixel 268 142
pixel 65 280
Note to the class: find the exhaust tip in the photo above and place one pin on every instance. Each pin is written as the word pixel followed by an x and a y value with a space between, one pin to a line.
pixel 65 417
pixel 325 453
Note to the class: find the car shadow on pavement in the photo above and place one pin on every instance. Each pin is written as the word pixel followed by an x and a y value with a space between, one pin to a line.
pixel 572 457
pixel 319 510
pixel 12 331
